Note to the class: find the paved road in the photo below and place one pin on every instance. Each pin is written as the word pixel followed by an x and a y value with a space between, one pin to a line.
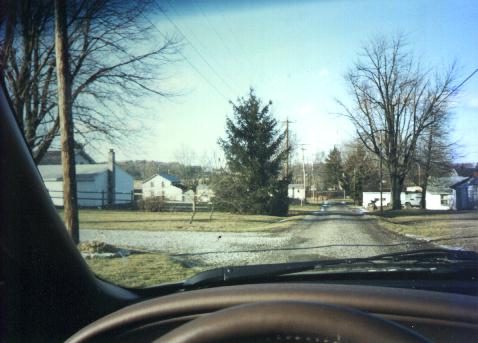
pixel 334 232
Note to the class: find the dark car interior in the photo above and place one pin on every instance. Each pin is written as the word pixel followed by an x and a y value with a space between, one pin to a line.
pixel 48 293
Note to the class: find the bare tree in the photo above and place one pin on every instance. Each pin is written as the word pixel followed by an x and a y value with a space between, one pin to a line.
pixel 393 102
pixel 116 56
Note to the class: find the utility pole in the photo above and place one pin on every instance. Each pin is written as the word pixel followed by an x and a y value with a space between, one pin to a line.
pixel 355 187
pixel 70 202
pixel 313 183
pixel 303 173
pixel 381 176
pixel 287 146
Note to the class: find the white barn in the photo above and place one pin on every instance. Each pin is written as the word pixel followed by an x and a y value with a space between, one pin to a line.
pixel 163 185
pixel 96 186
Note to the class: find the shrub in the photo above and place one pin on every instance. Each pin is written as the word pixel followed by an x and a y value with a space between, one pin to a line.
pixel 152 204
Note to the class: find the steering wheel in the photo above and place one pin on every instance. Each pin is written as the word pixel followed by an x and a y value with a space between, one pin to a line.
pixel 290 321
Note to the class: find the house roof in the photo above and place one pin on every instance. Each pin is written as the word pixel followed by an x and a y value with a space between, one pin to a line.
pixel 172 178
pixel 54 172
pixel 443 184
pixel 296 185
pixel 466 169
pixel 472 180
pixel 54 157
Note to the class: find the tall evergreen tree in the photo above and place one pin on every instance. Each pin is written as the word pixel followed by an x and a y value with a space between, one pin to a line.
pixel 255 155
pixel 334 169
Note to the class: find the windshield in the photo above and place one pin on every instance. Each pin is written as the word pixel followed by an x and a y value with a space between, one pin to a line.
pixel 179 136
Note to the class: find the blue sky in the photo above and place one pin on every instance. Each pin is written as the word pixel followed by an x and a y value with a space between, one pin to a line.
pixel 294 53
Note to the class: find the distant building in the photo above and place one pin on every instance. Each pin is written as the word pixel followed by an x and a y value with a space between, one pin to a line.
pixel 188 196
pixel 163 185
pixel 296 191
pixel 204 193
pixel 98 184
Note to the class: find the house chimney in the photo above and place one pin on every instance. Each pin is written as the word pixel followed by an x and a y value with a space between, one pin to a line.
pixel 111 177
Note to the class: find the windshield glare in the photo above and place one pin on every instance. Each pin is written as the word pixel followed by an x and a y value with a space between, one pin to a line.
pixel 207 133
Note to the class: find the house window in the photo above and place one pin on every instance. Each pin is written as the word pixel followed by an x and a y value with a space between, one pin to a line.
pixel 162 184
pixel 151 193
pixel 152 184
pixel 444 199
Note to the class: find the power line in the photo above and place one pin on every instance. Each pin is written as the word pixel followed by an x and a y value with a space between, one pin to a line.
pixel 198 6
pixel 191 64
pixel 194 47
pixel 234 37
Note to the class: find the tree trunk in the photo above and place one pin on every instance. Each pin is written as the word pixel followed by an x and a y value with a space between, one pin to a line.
pixel 396 185
pixel 66 121
pixel 194 209
pixel 426 171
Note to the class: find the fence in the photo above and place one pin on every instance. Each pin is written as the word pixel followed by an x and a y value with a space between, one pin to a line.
pixel 123 199
pixel 95 199
pixel 176 206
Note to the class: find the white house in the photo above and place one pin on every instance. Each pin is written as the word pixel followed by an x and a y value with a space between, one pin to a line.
pixel 296 191
pixel 98 184
pixel 163 185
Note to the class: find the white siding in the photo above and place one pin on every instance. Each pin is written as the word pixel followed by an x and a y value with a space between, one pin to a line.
pixel 89 193
pixel 367 197
pixel 55 189
pixel 295 192
pixel 93 192
pixel 124 184
pixel 434 201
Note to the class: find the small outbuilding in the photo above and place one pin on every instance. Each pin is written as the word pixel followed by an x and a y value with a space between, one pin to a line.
pixel 465 194
pixel 296 191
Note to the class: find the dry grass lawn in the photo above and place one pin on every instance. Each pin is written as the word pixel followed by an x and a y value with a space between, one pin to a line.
pixel 451 229
pixel 160 221
pixel 140 270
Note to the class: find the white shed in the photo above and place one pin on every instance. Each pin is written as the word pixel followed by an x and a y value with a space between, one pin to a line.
pixel 163 185
pixel 440 194
pixel 296 191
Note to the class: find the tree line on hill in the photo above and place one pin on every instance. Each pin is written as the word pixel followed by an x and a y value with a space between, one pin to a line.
pixel 143 169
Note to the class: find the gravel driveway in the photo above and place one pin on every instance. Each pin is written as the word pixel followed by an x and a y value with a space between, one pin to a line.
pixel 326 234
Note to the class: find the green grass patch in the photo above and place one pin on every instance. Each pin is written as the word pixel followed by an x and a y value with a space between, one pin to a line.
pixel 455 229
pixel 161 221
pixel 140 270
